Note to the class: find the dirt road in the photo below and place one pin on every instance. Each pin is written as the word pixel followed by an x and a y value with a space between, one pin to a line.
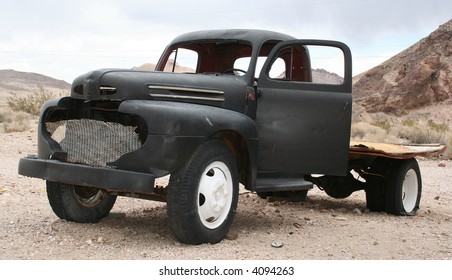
pixel 320 228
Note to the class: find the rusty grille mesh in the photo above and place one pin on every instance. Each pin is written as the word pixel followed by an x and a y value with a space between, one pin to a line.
pixel 92 142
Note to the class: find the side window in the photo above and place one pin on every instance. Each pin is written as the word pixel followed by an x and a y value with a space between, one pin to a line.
pixel 327 64
pixel 276 71
pixel 311 64
pixel 182 61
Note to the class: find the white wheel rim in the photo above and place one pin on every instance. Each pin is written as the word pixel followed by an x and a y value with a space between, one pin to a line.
pixel 215 195
pixel 410 189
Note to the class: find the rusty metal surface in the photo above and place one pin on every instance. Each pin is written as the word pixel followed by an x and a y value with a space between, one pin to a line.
pixel 360 148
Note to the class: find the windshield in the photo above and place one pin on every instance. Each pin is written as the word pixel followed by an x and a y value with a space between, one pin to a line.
pixel 207 57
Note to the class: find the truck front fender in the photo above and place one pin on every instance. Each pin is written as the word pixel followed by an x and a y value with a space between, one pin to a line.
pixel 175 130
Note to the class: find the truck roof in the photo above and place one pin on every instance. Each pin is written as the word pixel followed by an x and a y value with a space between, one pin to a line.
pixel 252 35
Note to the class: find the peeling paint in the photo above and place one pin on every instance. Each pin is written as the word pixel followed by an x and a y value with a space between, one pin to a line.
pixel 209 122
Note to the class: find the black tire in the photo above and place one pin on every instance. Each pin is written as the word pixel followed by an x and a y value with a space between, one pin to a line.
pixel 404 187
pixel 376 185
pixel 79 204
pixel 203 194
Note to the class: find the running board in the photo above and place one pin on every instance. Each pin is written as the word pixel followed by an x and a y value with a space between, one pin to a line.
pixel 282 184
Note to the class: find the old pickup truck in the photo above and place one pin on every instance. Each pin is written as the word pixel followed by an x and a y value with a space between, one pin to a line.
pixel 246 108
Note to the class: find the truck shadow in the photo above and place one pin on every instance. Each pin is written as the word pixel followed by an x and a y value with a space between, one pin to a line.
pixel 149 225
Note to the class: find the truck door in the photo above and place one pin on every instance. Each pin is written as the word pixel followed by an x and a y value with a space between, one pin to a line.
pixel 304 121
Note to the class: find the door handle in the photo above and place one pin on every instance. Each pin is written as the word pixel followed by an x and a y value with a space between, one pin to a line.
pixel 345 105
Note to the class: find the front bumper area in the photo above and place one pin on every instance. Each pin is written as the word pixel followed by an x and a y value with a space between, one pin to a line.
pixel 87 176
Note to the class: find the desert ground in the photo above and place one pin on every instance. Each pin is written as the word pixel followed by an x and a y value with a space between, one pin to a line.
pixel 321 228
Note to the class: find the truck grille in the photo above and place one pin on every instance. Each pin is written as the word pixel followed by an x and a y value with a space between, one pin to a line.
pixel 92 142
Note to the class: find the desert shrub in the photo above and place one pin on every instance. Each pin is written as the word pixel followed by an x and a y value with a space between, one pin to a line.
pixel 438 127
pixel 423 133
pixel 368 132
pixel 383 124
pixel 16 121
pixel 408 122
pixel 3 115
pixel 448 153
pixel 31 103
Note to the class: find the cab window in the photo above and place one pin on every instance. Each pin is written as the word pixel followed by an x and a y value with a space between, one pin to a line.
pixel 309 64
pixel 207 57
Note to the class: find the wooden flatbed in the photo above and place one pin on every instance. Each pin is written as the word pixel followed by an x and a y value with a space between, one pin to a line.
pixel 358 149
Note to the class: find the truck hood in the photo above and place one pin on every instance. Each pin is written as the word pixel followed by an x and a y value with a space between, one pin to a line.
pixel 220 90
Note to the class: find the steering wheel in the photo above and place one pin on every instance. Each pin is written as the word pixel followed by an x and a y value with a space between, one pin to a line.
pixel 232 70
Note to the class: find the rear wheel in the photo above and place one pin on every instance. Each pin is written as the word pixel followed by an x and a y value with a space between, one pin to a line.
pixel 376 184
pixel 79 204
pixel 395 186
pixel 403 194
pixel 203 195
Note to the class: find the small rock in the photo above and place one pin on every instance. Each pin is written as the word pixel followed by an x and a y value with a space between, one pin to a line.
pixel 341 219
pixel 277 244
pixel 375 243
pixel 297 225
pixel 117 215
pixel 232 236
pixel 357 211
pixel 49 229
pixel 268 209
pixel 441 164
pixel 437 197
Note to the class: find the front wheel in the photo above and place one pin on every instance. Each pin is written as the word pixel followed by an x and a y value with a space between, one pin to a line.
pixel 79 204
pixel 203 194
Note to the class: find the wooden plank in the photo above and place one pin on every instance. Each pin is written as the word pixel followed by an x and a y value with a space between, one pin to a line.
pixel 399 151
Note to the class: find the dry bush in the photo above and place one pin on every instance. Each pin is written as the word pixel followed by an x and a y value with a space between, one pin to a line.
pixel 448 153
pixel 422 132
pixel 425 132
pixel 385 124
pixel 369 132
pixel 3 115
pixel 15 121
pixel 31 103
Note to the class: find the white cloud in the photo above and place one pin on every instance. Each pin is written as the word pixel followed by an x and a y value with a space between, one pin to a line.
pixel 64 39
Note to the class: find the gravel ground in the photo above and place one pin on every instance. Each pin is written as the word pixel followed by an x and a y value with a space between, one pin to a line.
pixel 320 228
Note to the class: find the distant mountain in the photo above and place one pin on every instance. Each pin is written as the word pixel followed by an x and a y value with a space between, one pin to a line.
pixel 168 67
pixel 318 75
pixel 22 83
pixel 322 76
pixel 419 76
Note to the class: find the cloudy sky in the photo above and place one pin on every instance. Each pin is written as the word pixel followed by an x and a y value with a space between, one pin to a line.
pixel 64 39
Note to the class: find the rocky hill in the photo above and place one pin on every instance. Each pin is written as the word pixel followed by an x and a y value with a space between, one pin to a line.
pixel 168 67
pixel 22 83
pixel 418 77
